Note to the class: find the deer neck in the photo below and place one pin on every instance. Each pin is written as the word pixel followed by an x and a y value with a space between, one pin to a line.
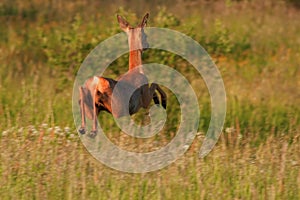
pixel 135 59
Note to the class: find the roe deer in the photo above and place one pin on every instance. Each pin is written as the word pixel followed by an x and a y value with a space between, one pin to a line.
pixel 96 94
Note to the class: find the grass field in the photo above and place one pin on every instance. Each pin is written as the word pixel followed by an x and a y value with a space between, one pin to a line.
pixel 256 47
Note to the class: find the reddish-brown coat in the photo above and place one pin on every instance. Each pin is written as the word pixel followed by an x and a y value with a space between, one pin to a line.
pixel 96 94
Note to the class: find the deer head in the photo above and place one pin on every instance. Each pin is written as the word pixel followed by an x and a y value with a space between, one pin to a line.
pixel 137 39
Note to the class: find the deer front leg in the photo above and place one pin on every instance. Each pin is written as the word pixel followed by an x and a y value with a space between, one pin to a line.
pixel 82 111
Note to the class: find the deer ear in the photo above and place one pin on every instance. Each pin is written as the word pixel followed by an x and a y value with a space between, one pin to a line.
pixel 123 23
pixel 144 22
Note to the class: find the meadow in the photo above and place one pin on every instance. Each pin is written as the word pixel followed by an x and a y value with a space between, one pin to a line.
pixel 256 46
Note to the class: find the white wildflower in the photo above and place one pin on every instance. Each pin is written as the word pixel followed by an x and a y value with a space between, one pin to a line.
pixel 229 130
pixel 34 132
pixel 4 133
pixel 240 136
pixel 20 130
pixel 67 129
pixel 57 129
pixel 185 147
pixel 44 125
pixel 199 134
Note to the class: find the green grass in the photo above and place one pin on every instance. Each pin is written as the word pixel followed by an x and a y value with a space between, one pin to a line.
pixel 256 48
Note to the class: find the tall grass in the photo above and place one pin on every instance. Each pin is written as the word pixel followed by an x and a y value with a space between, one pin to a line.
pixel 255 46
pixel 40 162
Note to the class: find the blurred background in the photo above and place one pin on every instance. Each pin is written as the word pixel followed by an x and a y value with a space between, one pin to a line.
pixel 256 46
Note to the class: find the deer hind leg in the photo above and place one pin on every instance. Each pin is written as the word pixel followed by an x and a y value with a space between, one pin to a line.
pixel 82 110
pixel 93 132
pixel 163 96
pixel 149 93
pixel 155 98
